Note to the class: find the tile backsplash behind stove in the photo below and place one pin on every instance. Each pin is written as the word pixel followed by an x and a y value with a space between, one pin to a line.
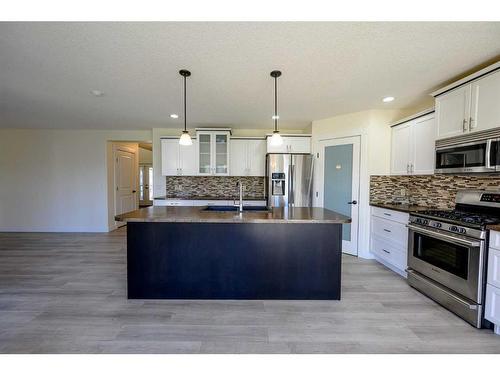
pixel 214 186
pixel 436 191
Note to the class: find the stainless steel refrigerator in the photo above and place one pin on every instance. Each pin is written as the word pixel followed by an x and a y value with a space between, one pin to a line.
pixel 289 179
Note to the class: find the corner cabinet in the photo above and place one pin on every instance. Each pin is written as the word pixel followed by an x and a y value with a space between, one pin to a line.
pixel 413 146
pixel 291 144
pixel 471 107
pixel 213 153
pixel 177 160
pixel 248 157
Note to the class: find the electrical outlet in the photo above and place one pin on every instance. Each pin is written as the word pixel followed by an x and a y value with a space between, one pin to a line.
pixel 178 187
pixel 402 192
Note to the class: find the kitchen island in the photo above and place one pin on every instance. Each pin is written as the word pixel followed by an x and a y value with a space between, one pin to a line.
pixel 195 253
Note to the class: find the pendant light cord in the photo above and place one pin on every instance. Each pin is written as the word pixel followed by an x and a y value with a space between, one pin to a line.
pixel 185 121
pixel 275 103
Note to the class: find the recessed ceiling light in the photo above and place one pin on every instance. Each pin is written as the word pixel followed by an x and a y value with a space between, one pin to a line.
pixel 388 99
pixel 173 115
pixel 97 93
pixel 275 117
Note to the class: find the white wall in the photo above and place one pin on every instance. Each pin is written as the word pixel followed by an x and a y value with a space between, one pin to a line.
pixel 373 128
pixel 56 180
pixel 145 156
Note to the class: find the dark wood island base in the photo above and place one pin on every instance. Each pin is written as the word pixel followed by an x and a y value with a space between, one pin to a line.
pixel 189 253
pixel 233 261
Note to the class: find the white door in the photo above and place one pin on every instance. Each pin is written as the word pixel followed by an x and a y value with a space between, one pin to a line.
pixel 452 112
pixel 485 107
pixel 239 155
pixel 339 162
pixel 187 159
pixel 125 181
pixel 256 157
pixel 400 150
pixel 423 140
pixel 170 157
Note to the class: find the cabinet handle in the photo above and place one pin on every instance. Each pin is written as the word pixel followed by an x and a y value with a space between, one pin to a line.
pixel 408 168
pixel 386 214
pixel 386 251
pixel 387 230
pixel 465 125
pixel 471 121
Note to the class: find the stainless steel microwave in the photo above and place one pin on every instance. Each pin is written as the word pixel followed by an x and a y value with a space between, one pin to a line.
pixel 472 157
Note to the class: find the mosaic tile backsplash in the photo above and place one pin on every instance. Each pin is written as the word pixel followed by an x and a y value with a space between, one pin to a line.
pixel 436 191
pixel 214 186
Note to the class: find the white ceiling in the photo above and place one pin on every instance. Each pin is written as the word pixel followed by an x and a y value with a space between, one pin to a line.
pixel 47 70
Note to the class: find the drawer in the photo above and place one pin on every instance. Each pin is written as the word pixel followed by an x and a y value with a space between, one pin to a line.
pixel 494 267
pixel 492 309
pixel 390 230
pixel 400 217
pixel 390 253
pixel 495 240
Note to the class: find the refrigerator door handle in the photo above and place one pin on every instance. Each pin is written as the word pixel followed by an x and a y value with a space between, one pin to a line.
pixel 291 198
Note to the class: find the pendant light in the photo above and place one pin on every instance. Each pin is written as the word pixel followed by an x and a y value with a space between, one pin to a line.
pixel 276 139
pixel 185 139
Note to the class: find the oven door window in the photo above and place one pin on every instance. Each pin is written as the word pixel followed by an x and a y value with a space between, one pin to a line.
pixel 441 254
pixel 462 157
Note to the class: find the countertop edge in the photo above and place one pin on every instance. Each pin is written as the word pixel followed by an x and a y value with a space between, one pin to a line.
pixel 401 208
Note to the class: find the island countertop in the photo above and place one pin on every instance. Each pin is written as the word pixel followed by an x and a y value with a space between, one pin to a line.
pixel 198 215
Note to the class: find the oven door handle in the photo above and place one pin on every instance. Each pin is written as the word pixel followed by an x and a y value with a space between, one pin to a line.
pixel 445 237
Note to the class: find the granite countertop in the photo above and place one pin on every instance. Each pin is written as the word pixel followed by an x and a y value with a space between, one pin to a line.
pixel 198 215
pixel 400 207
pixel 201 198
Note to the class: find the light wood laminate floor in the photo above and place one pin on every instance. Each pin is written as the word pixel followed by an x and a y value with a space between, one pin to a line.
pixel 66 293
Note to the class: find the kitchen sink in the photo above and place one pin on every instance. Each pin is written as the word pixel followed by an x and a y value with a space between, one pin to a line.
pixel 234 208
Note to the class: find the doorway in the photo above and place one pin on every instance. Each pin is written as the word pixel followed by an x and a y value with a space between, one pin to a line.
pixel 340 163
pixel 145 174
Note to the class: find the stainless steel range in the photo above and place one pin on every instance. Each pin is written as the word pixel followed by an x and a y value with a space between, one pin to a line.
pixel 447 252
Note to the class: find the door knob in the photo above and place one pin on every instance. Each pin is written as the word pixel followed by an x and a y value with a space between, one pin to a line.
pixel 352 202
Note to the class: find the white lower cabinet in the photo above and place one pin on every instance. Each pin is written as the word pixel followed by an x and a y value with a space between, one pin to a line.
pixel 389 238
pixel 492 309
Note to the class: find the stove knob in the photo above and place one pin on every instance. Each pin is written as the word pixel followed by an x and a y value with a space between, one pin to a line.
pixel 462 230
pixel 453 228
pixel 426 222
pixel 438 225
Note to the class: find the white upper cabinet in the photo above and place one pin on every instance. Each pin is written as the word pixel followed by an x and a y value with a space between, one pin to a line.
pixel 248 157
pixel 422 142
pixel 177 160
pixel 257 157
pixel 291 144
pixel 413 146
pixel 400 152
pixel 485 103
pixel 213 153
pixel 452 112
pixel 471 107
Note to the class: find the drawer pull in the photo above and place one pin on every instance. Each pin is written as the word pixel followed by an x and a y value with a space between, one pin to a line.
pixel 386 251
pixel 387 230
pixel 386 214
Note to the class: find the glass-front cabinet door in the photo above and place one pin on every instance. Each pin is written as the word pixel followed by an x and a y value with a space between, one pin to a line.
pixel 221 154
pixel 213 153
pixel 204 153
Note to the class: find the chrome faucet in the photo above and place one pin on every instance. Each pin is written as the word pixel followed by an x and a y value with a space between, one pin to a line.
pixel 240 205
